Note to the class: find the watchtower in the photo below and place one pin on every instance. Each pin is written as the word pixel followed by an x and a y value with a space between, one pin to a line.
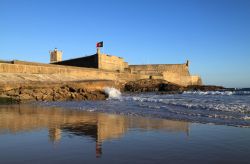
pixel 55 55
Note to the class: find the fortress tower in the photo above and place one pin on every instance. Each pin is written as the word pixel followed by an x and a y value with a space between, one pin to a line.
pixel 55 56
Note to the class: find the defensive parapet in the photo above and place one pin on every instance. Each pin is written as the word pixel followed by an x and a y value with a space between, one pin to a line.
pixel 158 69
pixel 175 73
pixel 47 72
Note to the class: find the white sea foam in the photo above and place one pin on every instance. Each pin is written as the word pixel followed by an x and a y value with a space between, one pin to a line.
pixel 228 93
pixel 193 103
pixel 246 117
pixel 112 93
pixel 224 93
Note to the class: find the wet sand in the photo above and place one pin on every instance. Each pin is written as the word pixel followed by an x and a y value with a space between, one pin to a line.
pixel 32 134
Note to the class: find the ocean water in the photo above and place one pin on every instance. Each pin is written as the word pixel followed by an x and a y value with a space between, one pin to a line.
pixel 194 127
pixel 217 107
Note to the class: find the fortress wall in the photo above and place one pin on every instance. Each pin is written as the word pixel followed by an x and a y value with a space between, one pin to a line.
pixel 125 65
pixel 158 69
pixel 81 73
pixel 87 61
pixel 125 77
pixel 175 73
pixel 175 78
pixel 182 80
pixel 101 61
pixel 108 62
pixel 69 73
pixel 196 80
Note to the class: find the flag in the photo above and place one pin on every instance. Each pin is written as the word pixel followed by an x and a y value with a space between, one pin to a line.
pixel 99 44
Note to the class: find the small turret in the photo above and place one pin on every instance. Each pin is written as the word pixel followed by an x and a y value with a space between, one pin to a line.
pixel 55 56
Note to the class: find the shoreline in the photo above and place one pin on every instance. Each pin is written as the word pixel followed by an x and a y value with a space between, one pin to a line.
pixel 51 91
pixel 14 92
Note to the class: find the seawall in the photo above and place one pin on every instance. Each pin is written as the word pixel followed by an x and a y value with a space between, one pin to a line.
pixel 64 73
pixel 175 73
pixel 27 72
pixel 157 69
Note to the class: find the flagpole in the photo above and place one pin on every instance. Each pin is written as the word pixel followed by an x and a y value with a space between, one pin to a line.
pixel 98 50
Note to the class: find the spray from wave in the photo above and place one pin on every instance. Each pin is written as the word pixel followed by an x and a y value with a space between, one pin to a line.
pixel 112 93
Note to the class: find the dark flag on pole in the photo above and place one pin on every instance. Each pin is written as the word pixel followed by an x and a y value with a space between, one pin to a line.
pixel 99 44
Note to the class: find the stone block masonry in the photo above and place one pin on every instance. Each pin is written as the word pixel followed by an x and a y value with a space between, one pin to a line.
pixel 175 73
pixel 158 69
pixel 77 73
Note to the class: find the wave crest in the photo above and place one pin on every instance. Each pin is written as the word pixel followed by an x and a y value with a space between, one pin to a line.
pixel 112 93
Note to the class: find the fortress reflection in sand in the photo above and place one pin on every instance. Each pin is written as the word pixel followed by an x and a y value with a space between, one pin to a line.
pixel 98 126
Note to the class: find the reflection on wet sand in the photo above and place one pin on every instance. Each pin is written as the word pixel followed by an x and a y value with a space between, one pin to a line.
pixel 98 126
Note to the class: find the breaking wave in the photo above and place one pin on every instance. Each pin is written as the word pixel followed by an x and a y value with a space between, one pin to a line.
pixel 112 93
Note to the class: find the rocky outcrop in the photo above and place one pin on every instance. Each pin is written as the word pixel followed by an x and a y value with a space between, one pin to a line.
pixel 204 88
pixel 152 85
pixel 51 93
pixel 147 85
pixel 87 90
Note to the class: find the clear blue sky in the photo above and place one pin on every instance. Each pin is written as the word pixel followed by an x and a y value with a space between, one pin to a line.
pixel 213 34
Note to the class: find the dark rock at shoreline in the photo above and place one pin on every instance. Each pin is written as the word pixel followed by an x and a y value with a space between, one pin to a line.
pixel 169 87
pixel 165 87
pixel 204 88
pixel 145 85
pixel 152 85
pixel 89 91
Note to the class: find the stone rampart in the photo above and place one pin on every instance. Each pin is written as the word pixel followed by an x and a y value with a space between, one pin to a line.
pixel 182 80
pixel 158 69
pixel 109 62
pixel 196 80
pixel 64 71
pixel 175 73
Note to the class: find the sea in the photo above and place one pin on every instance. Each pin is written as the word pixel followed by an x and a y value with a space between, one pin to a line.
pixel 218 107
pixel 192 127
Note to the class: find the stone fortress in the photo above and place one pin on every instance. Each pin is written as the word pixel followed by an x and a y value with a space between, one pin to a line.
pixel 98 67
pixel 174 73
